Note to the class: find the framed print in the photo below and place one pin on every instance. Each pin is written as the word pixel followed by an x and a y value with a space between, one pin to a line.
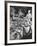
pixel 20 22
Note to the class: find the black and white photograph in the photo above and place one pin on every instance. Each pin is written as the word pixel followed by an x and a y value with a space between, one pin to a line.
pixel 20 22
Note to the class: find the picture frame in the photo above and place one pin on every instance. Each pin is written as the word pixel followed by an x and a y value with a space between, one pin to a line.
pixel 26 11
